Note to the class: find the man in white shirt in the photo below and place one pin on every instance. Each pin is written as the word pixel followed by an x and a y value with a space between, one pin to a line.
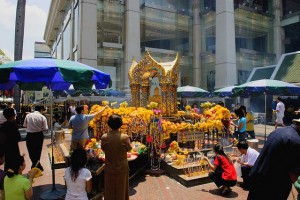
pixel 280 108
pixel 247 161
pixel 35 123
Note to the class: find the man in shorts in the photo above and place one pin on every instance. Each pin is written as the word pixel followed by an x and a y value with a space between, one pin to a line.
pixel 280 108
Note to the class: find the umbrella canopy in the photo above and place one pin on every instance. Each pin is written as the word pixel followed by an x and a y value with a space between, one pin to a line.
pixel 190 91
pixel 224 92
pixel 55 74
pixel 266 86
pixel 111 92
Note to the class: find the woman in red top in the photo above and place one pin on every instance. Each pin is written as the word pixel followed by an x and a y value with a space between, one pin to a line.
pixel 224 173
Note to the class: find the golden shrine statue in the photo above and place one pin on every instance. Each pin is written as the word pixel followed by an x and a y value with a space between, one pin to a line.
pixel 151 81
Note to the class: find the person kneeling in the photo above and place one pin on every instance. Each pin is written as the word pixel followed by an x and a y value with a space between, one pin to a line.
pixel 224 172
pixel 247 161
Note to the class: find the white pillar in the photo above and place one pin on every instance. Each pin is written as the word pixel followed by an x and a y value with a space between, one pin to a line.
pixel 72 21
pixel 197 80
pixel 278 30
pixel 87 35
pixel 132 41
pixel 226 71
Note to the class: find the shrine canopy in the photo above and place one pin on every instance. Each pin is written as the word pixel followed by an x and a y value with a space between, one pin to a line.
pixel 152 81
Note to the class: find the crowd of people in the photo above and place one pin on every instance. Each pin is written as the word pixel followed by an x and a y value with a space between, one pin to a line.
pixel 13 185
pixel 267 175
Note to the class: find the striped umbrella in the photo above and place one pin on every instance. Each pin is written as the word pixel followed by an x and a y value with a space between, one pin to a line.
pixel 55 74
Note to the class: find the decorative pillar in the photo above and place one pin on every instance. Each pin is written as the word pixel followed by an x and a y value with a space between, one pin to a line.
pixel 135 95
pixel 170 100
pixel 278 30
pixel 173 91
pixel 226 70
pixel 164 99
pixel 87 36
pixel 132 40
pixel 145 96
pixel 197 80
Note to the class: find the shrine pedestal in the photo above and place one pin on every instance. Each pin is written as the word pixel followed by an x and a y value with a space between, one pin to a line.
pixel 177 173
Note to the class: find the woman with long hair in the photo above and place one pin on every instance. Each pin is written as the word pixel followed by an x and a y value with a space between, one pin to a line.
pixel 16 186
pixel 78 178
pixel 224 174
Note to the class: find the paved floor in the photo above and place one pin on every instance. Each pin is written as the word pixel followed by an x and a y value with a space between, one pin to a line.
pixel 144 186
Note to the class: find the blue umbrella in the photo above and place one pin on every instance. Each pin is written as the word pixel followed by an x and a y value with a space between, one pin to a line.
pixel 55 74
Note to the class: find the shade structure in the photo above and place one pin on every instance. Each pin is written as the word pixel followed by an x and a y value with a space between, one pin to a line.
pixel 190 91
pixel 111 92
pixel 265 87
pixel 224 92
pixel 54 73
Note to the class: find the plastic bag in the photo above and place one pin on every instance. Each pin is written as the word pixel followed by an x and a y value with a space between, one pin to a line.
pixel 238 170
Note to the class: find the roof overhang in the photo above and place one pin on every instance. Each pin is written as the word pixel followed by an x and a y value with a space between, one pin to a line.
pixel 54 20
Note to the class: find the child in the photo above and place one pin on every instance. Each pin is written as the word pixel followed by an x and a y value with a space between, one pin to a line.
pixel 16 186
pixel 2 175
pixel 77 177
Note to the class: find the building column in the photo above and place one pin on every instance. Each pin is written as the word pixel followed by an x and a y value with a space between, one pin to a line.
pixel 278 30
pixel 197 76
pixel 87 35
pixel 226 70
pixel 132 38
pixel 72 21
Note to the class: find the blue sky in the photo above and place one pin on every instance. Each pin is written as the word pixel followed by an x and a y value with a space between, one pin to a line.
pixel 35 22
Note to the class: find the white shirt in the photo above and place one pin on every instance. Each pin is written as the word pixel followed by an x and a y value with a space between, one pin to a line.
pixel 2 118
pixel 250 157
pixel 77 189
pixel 280 109
pixel 35 122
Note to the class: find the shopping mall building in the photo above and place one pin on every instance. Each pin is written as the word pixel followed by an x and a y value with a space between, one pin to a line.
pixel 219 42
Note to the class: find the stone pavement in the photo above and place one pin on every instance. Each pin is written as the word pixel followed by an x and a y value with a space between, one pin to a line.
pixel 143 186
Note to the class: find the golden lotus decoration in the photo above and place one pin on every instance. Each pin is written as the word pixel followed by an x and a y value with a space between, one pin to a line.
pixel 151 81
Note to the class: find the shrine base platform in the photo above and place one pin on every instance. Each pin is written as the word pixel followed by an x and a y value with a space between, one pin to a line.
pixel 177 173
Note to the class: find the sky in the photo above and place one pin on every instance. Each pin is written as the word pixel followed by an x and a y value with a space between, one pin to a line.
pixel 36 13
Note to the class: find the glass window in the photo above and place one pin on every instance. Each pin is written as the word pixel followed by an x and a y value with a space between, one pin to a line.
pixel 257 5
pixel 289 7
pixel 110 29
pixel 292 41
pixel 110 21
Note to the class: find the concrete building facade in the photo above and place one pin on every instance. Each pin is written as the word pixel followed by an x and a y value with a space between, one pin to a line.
pixel 219 42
